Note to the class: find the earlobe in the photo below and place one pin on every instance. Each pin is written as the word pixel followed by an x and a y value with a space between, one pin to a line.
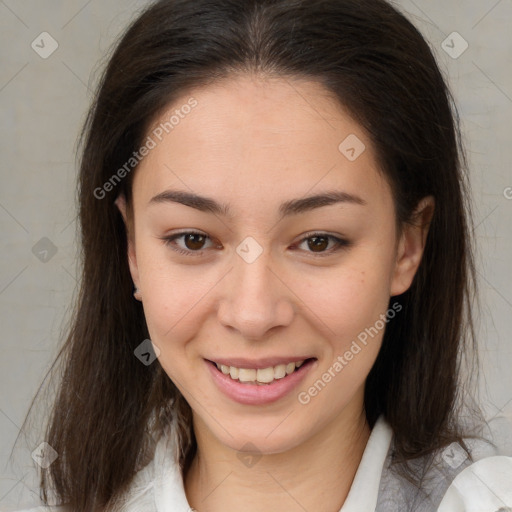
pixel 411 246
pixel 131 253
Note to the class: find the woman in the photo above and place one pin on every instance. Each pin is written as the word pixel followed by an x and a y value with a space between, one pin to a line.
pixel 282 183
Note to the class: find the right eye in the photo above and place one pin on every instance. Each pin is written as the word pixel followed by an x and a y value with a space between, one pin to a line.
pixel 193 242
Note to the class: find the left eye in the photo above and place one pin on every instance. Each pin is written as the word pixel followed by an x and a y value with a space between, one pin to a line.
pixel 321 240
pixel 194 243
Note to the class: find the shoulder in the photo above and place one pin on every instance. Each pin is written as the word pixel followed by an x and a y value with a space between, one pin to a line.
pixel 140 494
pixel 484 486
pixel 449 480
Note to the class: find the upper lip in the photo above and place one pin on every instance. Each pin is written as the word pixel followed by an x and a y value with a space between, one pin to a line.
pixel 266 362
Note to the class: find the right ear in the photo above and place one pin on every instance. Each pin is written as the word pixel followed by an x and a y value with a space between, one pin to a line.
pixel 130 236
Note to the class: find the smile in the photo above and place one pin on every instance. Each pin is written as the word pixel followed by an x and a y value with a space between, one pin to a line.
pixel 261 376
pixel 259 386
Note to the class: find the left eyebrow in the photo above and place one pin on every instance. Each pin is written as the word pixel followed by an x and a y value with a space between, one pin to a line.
pixel 288 208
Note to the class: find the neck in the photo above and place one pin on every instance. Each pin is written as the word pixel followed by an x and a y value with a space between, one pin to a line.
pixel 315 475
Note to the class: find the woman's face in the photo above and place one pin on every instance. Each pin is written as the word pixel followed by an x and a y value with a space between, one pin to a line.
pixel 264 281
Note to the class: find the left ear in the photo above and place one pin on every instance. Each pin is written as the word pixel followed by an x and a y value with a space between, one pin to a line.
pixel 411 246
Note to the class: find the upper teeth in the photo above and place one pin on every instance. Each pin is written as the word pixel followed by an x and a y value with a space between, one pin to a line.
pixel 262 375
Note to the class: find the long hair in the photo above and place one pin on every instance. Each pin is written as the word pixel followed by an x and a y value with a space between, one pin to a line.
pixel 379 67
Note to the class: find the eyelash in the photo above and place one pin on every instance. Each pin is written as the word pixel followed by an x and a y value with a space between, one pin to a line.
pixel 340 243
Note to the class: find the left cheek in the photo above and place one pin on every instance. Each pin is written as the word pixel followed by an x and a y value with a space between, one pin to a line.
pixel 349 301
pixel 360 328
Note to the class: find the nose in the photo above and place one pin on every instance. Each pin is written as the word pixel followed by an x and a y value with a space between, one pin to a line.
pixel 256 298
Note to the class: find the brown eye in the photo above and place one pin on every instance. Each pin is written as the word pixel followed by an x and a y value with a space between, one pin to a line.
pixel 318 243
pixel 194 241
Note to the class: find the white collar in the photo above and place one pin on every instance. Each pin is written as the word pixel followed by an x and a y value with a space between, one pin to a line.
pixel 364 490
pixel 169 490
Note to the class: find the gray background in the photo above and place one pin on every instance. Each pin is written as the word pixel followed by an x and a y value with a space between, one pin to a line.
pixel 43 103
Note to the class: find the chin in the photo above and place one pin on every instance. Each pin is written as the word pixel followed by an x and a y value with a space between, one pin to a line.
pixel 276 433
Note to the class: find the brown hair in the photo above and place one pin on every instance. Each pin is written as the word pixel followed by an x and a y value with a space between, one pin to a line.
pixel 379 67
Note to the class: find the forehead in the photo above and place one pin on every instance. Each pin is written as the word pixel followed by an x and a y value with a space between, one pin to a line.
pixel 251 137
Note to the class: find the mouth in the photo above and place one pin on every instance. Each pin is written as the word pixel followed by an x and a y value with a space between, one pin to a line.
pixel 261 376
pixel 261 382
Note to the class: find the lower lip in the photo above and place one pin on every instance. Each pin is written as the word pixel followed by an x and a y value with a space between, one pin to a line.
pixel 254 394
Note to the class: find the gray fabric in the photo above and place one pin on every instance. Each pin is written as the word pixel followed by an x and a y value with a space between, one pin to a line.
pixel 398 494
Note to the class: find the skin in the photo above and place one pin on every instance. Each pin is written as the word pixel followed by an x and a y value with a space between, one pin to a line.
pixel 254 143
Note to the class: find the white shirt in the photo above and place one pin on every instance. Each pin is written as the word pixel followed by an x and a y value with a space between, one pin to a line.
pixel 455 485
